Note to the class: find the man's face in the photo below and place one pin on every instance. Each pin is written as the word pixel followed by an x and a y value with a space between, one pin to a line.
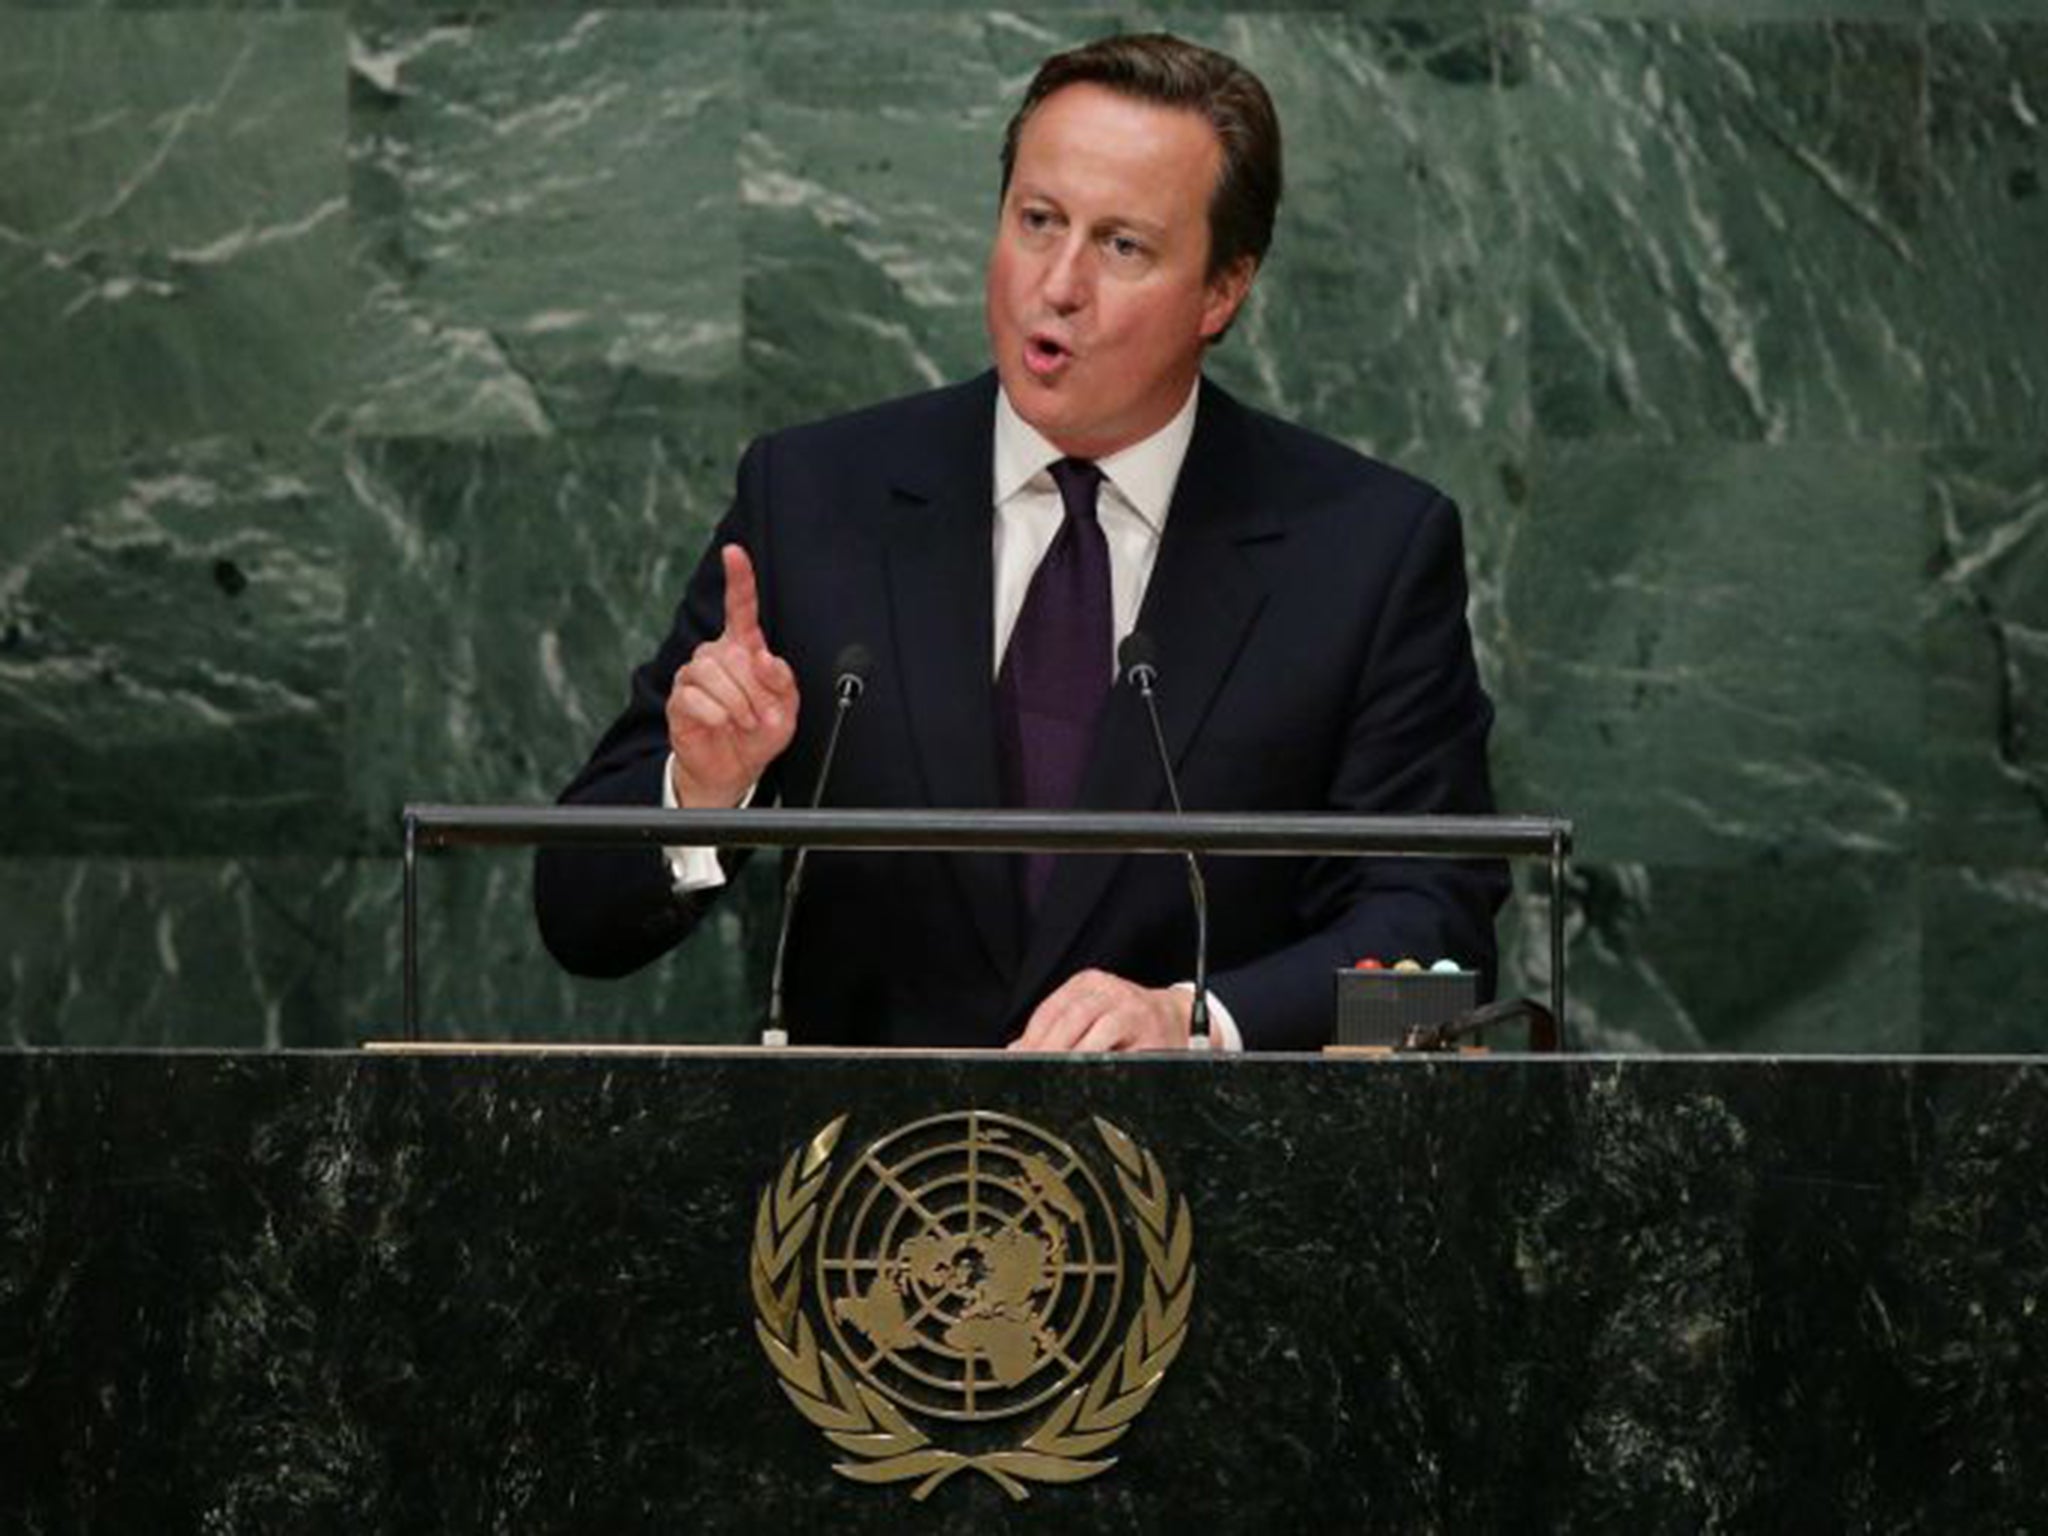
pixel 1098 306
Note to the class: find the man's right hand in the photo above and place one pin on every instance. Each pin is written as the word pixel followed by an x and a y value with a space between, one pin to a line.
pixel 732 707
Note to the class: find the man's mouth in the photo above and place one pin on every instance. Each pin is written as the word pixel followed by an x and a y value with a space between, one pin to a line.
pixel 1045 355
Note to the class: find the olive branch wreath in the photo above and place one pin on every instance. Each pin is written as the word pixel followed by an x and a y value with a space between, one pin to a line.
pixel 885 1445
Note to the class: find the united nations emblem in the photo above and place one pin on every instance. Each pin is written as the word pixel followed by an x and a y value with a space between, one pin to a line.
pixel 969 1273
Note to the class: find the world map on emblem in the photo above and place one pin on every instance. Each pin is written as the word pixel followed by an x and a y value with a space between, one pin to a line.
pixel 970 1265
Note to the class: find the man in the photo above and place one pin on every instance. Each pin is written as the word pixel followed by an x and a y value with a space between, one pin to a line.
pixel 990 543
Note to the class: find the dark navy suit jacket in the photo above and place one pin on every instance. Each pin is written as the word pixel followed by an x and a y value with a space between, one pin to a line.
pixel 1308 607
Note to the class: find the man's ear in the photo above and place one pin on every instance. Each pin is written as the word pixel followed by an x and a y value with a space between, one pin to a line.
pixel 1226 292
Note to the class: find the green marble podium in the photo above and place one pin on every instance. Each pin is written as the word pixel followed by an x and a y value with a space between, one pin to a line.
pixel 474 1291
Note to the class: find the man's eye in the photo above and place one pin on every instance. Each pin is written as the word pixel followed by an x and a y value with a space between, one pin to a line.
pixel 1124 248
pixel 1035 219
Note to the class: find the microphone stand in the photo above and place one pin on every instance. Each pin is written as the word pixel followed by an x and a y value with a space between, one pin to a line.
pixel 1136 656
pixel 854 662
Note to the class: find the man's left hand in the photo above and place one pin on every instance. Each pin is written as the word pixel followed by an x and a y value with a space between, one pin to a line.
pixel 1095 1011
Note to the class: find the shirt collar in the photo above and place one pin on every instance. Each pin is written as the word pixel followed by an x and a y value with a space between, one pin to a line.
pixel 1144 474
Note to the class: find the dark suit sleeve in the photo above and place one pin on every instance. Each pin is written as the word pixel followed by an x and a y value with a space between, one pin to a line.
pixel 1414 743
pixel 609 911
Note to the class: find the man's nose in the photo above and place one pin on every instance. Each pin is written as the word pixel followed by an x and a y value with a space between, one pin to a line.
pixel 1067 277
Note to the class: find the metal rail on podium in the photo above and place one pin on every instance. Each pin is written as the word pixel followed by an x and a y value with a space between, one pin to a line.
pixel 1543 838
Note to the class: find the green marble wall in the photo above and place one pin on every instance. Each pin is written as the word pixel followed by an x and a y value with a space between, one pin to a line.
pixel 369 377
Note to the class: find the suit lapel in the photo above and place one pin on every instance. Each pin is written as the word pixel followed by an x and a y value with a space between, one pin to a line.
pixel 941 577
pixel 1199 607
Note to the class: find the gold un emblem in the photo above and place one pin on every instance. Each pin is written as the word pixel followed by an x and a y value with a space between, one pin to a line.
pixel 969 1273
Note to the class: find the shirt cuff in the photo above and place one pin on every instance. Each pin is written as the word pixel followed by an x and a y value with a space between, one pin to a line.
pixel 1223 1031
pixel 693 869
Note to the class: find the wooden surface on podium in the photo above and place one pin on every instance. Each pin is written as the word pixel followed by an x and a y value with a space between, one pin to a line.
pixel 478 1290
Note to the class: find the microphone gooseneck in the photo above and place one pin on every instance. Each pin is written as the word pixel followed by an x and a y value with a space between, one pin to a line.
pixel 1137 659
pixel 850 668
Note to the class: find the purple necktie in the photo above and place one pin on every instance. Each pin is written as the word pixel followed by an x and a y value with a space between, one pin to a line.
pixel 1057 672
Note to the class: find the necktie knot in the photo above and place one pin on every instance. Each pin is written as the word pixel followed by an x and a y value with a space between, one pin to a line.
pixel 1079 481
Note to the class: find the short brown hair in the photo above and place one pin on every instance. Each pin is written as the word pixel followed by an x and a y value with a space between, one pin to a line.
pixel 1166 71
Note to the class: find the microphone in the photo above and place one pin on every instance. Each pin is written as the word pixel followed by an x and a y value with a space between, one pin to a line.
pixel 852 666
pixel 1446 1036
pixel 1138 659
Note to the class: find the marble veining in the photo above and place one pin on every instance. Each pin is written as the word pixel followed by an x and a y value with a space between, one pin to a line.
pixel 369 376
pixel 240 1292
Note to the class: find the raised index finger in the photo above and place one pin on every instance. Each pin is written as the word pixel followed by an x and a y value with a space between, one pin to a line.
pixel 742 598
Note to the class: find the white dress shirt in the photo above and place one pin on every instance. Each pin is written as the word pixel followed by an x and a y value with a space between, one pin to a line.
pixel 1137 489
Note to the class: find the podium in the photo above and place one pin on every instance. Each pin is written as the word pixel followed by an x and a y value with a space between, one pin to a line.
pixel 468 1290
